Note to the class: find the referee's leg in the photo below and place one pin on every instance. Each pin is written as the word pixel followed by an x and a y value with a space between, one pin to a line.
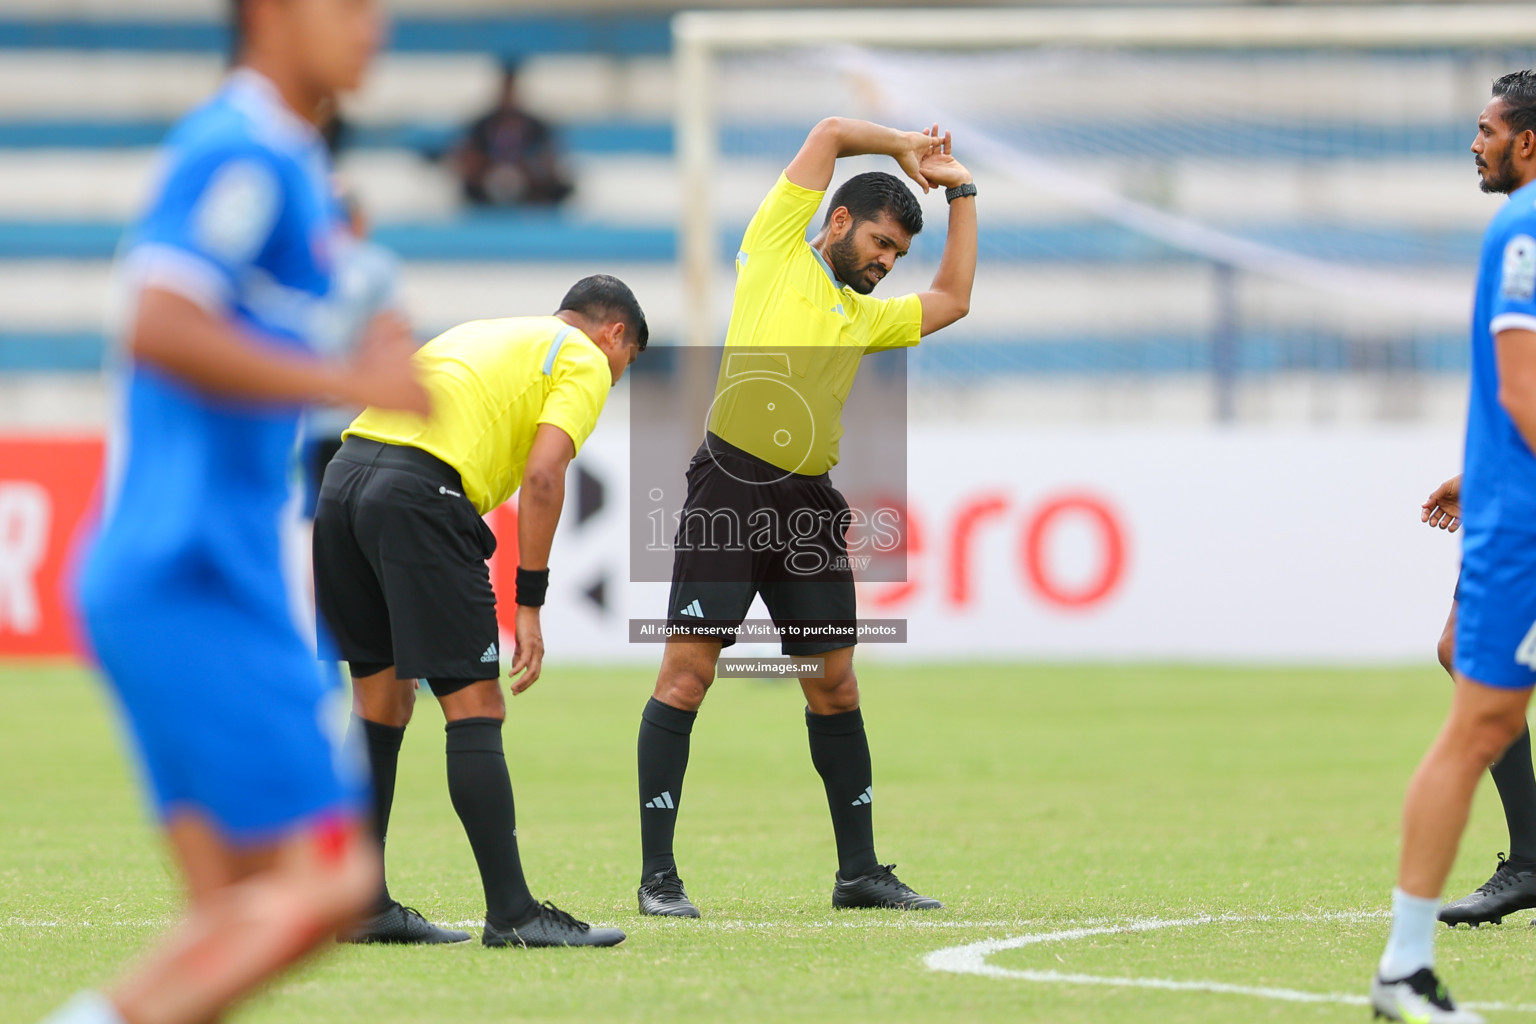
pixel 480 788
pixel 381 709
pixel 840 752
pixel 687 670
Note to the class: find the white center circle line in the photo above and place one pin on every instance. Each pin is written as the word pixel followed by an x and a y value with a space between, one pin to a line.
pixel 972 959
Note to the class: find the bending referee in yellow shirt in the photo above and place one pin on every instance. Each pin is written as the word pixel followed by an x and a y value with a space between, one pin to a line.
pixel 401 576
pixel 809 303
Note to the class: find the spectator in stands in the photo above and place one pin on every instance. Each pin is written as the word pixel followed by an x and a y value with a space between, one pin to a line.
pixel 510 157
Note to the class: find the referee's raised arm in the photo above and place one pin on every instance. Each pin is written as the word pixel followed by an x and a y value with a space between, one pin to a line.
pixel 927 158
pixel 837 137
pixel 948 298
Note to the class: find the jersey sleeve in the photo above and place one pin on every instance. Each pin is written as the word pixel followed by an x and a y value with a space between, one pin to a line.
pixel 581 387
pixel 894 323
pixel 1514 302
pixel 215 214
pixel 779 224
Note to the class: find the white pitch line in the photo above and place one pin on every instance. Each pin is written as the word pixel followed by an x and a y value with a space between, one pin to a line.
pixel 897 923
pixel 972 959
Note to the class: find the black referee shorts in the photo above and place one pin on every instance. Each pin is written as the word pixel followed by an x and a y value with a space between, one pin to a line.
pixel 750 528
pixel 400 567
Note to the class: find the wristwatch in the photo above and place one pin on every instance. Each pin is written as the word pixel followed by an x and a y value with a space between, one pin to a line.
pixel 968 189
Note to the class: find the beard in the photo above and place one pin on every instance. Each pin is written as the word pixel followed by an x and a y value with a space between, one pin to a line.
pixel 844 257
pixel 1502 178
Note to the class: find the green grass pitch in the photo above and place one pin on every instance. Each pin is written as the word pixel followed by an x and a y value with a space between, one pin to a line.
pixel 1030 799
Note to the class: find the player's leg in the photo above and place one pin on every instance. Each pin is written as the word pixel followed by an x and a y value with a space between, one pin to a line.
pixel 666 725
pixel 481 790
pixel 1483 721
pixel 1512 887
pixel 225 708
pixel 1445 648
pixel 254 912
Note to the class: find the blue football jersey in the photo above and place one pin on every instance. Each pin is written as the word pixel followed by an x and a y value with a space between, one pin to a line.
pixel 242 222
pixel 1499 487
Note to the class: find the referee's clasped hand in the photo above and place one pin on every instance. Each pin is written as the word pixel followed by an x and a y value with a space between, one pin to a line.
pixel 528 656
pixel 381 372
pixel 938 165
pixel 915 149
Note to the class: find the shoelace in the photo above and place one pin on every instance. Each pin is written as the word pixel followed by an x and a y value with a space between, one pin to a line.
pixel 551 912
pixel 1503 878
pixel 413 912
pixel 670 886
pixel 887 873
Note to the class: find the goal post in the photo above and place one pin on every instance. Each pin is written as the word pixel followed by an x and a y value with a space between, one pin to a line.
pixel 1370 47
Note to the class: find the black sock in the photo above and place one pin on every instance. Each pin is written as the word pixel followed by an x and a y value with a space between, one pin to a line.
pixel 663 755
pixel 383 745
pixel 1516 782
pixel 481 792
pixel 840 752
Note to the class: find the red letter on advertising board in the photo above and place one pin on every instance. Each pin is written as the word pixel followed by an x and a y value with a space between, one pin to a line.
pixel 1111 543
pixel 967 521
pixel 46 486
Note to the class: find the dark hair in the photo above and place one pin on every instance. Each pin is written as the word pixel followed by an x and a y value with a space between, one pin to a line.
pixel 1518 91
pixel 606 299
pixel 872 193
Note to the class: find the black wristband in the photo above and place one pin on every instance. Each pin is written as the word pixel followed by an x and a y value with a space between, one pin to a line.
pixel 968 189
pixel 531 586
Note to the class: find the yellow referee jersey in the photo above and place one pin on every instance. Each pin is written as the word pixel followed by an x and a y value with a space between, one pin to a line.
pixel 784 403
pixel 492 383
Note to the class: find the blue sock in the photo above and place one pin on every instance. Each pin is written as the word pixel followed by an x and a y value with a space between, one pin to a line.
pixel 1412 942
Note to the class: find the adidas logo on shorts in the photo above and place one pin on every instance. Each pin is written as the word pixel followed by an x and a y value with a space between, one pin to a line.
pixel 490 655
pixel 693 609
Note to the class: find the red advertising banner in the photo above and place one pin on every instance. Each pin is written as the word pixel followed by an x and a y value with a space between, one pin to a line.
pixel 46 487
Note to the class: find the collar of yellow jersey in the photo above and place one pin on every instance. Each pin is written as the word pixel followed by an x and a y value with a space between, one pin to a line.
pixel 827 267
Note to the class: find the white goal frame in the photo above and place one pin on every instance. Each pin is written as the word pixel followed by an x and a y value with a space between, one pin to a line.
pixel 698 37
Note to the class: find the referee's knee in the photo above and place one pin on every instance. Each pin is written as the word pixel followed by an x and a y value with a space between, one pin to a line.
pixel 683 689
pixel 832 695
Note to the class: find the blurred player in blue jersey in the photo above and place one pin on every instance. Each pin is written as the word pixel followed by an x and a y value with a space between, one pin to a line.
pixel 1495 645
pixel 231 273
pixel 1512 886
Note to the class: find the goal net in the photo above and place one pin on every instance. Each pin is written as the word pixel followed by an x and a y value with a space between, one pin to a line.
pixel 1245 213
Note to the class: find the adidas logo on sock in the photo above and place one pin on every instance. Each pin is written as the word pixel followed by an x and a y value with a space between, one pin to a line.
pixel 662 803
pixel 866 797
pixel 693 609
pixel 490 654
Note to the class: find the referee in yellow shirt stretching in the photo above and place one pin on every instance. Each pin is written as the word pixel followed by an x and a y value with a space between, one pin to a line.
pixel 807 306
pixel 401 576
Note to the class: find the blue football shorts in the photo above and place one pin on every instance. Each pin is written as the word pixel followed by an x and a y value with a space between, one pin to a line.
pixel 228 712
pixel 1496 613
